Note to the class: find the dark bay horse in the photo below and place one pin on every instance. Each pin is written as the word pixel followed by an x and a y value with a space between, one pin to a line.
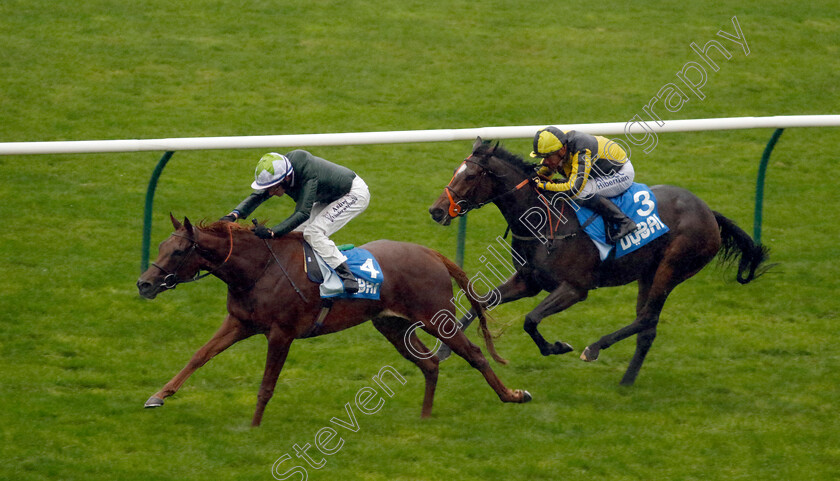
pixel 562 260
pixel 269 293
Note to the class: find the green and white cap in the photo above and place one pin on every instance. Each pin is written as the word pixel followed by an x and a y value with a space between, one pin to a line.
pixel 271 170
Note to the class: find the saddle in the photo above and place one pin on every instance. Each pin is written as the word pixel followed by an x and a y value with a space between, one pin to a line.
pixel 639 204
pixel 362 265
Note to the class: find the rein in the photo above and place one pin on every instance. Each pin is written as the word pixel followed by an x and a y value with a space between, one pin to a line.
pixel 300 293
pixel 171 280
pixel 461 207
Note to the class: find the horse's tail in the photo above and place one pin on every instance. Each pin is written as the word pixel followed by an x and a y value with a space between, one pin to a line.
pixel 738 245
pixel 463 281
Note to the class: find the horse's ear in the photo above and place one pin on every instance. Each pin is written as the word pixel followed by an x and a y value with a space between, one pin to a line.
pixel 175 222
pixel 188 226
pixel 477 143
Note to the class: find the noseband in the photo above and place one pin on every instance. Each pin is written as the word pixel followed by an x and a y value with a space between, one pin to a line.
pixel 171 280
pixel 459 208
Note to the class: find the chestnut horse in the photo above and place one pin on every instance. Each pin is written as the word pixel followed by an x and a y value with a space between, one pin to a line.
pixel 563 260
pixel 269 293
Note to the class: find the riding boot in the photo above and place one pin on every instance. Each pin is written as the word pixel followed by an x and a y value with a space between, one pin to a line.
pixel 351 286
pixel 617 223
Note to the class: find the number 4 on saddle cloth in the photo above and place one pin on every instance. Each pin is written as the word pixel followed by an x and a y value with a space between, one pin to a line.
pixel 638 203
pixel 361 263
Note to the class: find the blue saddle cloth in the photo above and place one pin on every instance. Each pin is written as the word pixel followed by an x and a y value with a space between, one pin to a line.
pixel 639 203
pixel 362 264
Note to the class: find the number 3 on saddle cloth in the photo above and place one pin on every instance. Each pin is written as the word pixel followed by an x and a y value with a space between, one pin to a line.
pixel 361 263
pixel 639 203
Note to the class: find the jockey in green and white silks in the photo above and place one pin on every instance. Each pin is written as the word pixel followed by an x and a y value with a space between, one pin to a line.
pixel 327 196
pixel 593 168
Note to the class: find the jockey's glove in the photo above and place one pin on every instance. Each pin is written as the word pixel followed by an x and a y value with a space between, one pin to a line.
pixel 263 232
pixel 229 218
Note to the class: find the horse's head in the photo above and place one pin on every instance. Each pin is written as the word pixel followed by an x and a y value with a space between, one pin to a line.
pixel 178 261
pixel 471 185
pixel 480 179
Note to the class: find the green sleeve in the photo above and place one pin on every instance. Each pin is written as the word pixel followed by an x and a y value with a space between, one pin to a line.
pixel 302 210
pixel 247 206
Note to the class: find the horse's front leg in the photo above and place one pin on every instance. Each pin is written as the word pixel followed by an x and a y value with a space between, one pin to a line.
pixel 516 287
pixel 231 331
pixel 278 348
pixel 560 299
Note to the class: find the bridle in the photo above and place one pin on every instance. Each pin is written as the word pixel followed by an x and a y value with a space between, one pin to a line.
pixel 171 280
pixel 461 207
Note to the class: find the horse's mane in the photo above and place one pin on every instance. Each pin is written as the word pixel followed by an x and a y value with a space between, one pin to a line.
pixel 527 168
pixel 220 227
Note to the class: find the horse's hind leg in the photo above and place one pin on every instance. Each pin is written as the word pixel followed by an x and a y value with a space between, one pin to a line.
pixel 228 334
pixel 644 339
pixel 651 300
pixel 461 345
pixel 394 329
pixel 516 287
pixel 652 296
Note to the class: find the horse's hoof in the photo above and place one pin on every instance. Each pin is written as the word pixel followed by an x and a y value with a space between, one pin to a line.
pixel 562 347
pixel 526 396
pixel 556 348
pixel 153 402
pixel 589 355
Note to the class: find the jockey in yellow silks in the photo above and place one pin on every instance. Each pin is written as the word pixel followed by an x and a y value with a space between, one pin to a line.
pixel 593 168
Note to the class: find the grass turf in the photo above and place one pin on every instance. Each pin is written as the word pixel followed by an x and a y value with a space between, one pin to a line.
pixel 741 383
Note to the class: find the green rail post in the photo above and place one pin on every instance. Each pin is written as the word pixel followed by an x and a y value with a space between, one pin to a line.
pixel 147 215
pixel 759 184
pixel 462 236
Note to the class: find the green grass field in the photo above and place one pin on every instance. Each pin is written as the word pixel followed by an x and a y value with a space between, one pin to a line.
pixel 743 382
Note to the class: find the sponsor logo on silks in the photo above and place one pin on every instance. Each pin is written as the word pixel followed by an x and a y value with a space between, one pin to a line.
pixel 602 183
pixel 368 288
pixel 340 207
pixel 644 230
pixel 639 203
